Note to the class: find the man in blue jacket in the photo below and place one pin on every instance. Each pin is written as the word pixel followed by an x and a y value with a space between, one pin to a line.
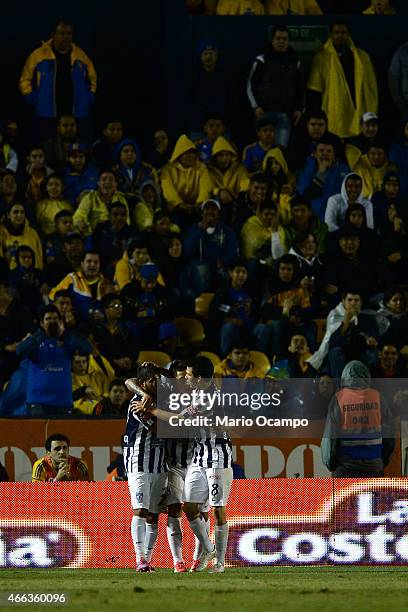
pixel 211 245
pixel 58 78
pixel 49 352
pixel 322 176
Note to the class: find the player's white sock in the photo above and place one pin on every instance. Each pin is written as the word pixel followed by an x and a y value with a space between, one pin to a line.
pixel 199 530
pixel 221 540
pixel 174 537
pixel 198 548
pixel 138 530
pixel 150 540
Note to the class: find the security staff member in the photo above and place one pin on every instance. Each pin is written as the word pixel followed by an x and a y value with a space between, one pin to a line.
pixel 358 439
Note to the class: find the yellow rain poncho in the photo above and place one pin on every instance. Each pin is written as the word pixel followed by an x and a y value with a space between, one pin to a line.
pixel 295 7
pixel 283 200
pixel 236 178
pixel 185 185
pixel 239 7
pixel 328 78
pixel 373 178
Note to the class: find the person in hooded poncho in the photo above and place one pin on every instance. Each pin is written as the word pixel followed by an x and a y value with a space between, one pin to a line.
pixel 337 205
pixel 358 439
pixel 185 182
pixel 372 167
pixel 130 170
pixel 292 7
pixel 344 77
pixel 229 176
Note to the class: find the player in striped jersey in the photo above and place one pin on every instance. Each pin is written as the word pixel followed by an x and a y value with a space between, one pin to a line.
pixel 208 476
pixel 145 463
pixel 179 453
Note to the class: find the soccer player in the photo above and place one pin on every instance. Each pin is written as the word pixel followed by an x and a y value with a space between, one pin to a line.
pixel 208 476
pixel 179 453
pixel 145 463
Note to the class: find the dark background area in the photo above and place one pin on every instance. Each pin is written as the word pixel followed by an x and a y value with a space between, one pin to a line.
pixel 145 55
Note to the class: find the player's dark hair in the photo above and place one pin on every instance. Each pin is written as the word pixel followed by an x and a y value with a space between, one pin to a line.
pixel 202 366
pixel 53 438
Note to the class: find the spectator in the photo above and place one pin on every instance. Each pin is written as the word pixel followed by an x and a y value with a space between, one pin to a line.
pixel 114 336
pixel 36 173
pixel 394 262
pixel 398 81
pixel 389 363
pixel 84 285
pixel 8 190
pixel 337 205
pixel 15 323
pixel 80 177
pixel 64 252
pixel 262 236
pixel 292 7
pixel 111 238
pixel 16 231
pixel 150 202
pixel 160 153
pixel 68 79
pixel 130 170
pixel 237 363
pixel 210 85
pixel 254 154
pixel 94 206
pixel 295 364
pixel 117 402
pixel 240 7
pixel 249 201
pixel 86 388
pixel 185 182
pixel 372 168
pixel 311 267
pixel 159 235
pixel 228 175
pixel 63 301
pixel 233 311
pixel 399 156
pixel 286 309
pixel 305 138
pixel 103 150
pixel 127 268
pixel 8 157
pixel 389 194
pixel 344 78
pixel 394 308
pixel 28 280
pixel 304 221
pixel 49 352
pixel 359 145
pixel 350 263
pixel 356 220
pixel 210 245
pixel 284 103
pixel 52 204
pixel 56 147
pixel 213 128
pixel 58 465
pixel 380 7
pixel 280 184
pixel 322 176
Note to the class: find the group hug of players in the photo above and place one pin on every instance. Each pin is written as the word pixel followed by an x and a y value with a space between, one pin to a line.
pixel 177 474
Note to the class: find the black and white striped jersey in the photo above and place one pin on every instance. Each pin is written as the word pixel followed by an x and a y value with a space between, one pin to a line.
pixel 179 452
pixel 212 450
pixel 143 451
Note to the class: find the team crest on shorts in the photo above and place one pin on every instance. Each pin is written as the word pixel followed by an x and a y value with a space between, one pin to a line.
pixel 139 497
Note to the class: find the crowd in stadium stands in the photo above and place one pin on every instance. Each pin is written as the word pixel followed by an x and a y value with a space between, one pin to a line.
pixel 290 7
pixel 287 258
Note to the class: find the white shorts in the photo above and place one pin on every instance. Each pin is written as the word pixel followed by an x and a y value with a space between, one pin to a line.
pixel 147 490
pixel 211 485
pixel 175 488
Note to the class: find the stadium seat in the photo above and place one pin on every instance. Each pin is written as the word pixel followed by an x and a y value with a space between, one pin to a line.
pixel 321 329
pixel 191 331
pixel 260 360
pixel 158 357
pixel 202 304
pixel 213 357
